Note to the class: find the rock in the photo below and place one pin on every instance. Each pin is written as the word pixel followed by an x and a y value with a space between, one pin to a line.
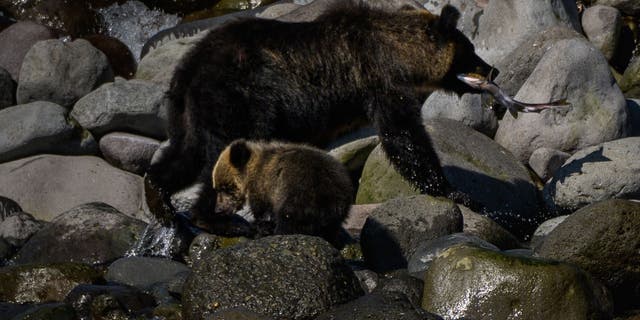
pixel 353 155
pixel 400 281
pixel 628 7
pixel 545 162
pixel 634 116
pixel 16 40
pixel 71 17
pixel 471 11
pixel 128 152
pixel 467 109
pixel 6 250
pixel 368 279
pixel 93 233
pixel 236 314
pixel 378 306
pixel 293 277
pixel 575 70
pixel 473 164
pixel 427 251
pixel 10 310
pixel 58 183
pixel 7 89
pixel 121 60
pixel 41 127
pixel 358 215
pixel 18 228
pixel 475 283
pixel 57 311
pixel 597 173
pixel 505 24
pixel 544 229
pixel 488 230
pixel 144 272
pixel 61 72
pixel 603 239
pixel 394 230
pixel 8 207
pixel 109 302
pixel 43 283
pixel 630 83
pixel 602 25
pixel 136 106
pixel 204 243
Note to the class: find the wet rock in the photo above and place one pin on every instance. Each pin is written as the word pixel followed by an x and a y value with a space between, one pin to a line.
pixel 93 233
pixel 293 277
pixel 603 239
pixel 236 314
pixel 394 230
pixel 545 162
pixel 354 154
pixel 473 164
pixel 16 41
pixel 59 183
pixel 10 310
pixel 43 283
pixel 467 109
pixel 575 70
pixel 505 24
pixel 18 228
pixel 630 83
pixel 368 279
pixel 488 230
pixel 205 243
pixel 475 283
pixel 133 106
pixel 378 306
pixel 597 173
pixel 427 251
pixel 128 152
pixel 110 302
pixel 544 229
pixel 7 89
pixel 41 127
pixel 602 25
pixel 400 281
pixel 628 7
pixel 61 72
pixel 70 17
pixel 8 207
pixel 144 272
pixel 121 60
pixel 57 311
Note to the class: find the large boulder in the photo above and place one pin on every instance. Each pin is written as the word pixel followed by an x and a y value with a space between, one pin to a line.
pixel 468 109
pixel 475 283
pixel 128 152
pixel 61 72
pixel 628 7
pixel 292 277
pixel 135 106
pixel 575 70
pixel 378 306
pixel 16 40
pixel 602 25
pixel 603 239
pixel 93 233
pixel 59 183
pixel 609 170
pixel 630 82
pixel 41 127
pixel 144 272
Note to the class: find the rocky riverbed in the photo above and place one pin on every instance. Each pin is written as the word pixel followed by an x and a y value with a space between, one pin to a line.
pixel 82 113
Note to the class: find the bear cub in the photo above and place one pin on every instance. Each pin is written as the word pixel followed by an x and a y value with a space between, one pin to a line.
pixel 290 188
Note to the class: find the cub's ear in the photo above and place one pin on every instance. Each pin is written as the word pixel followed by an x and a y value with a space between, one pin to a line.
pixel 239 153
pixel 448 19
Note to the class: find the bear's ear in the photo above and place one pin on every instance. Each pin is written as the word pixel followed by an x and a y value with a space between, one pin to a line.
pixel 239 153
pixel 448 19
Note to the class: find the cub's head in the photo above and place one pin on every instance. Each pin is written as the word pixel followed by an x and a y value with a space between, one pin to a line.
pixel 229 175
pixel 460 52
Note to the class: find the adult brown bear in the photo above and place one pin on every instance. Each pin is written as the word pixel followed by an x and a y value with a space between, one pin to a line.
pixel 308 82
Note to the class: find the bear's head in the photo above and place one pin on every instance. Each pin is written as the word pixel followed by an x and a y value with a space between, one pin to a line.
pixel 461 53
pixel 229 177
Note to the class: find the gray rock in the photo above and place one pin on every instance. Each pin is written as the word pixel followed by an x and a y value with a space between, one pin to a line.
pixel 471 11
pixel 205 242
pixel 488 230
pixel 602 25
pixel 368 279
pixel 630 82
pixel 601 172
pixel 41 127
pixel 575 70
pixel 505 24
pixel 467 109
pixel 292 277
pixel 633 108
pixel 136 106
pixel 544 229
pixel 353 155
pixel 18 228
pixel 545 162
pixel 144 272
pixel 395 229
pixel 127 151
pixel 8 207
pixel 7 89
pixel 603 239
pixel 628 7
pixel 378 306
pixel 58 183
pixel 472 163
pixel 400 281
pixel 93 233
pixel 43 283
pixel 109 302
pixel 427 251
pixel 61 72
pixel 16 40
pixel 474 283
